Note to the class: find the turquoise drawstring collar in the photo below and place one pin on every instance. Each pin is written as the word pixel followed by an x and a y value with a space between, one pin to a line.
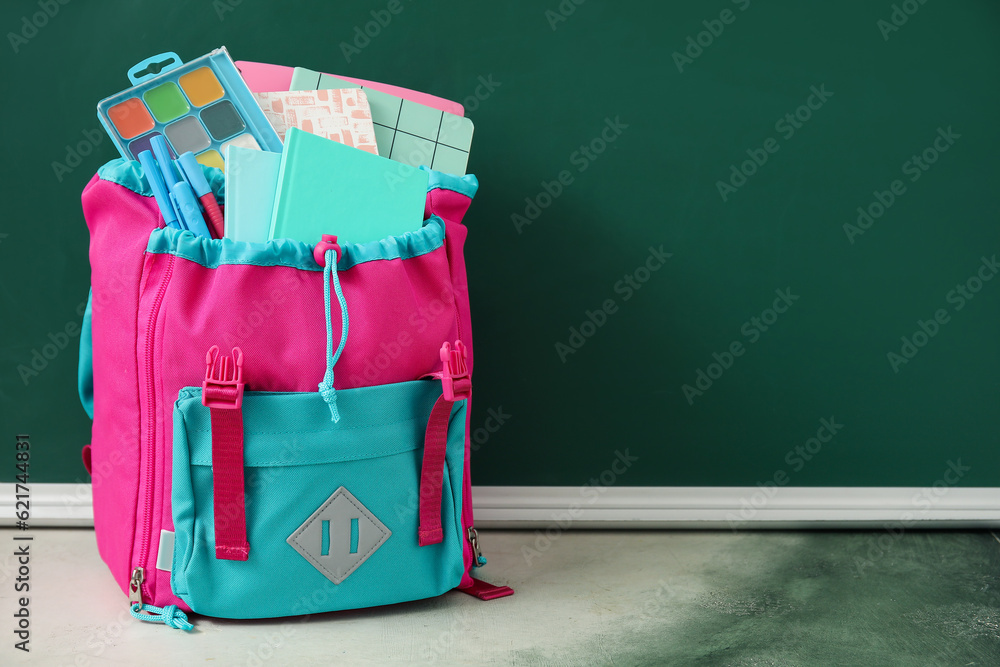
pixel 326 389
pixel 170 615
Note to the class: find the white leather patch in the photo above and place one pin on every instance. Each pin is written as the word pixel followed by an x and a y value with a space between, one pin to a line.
pixel 165 554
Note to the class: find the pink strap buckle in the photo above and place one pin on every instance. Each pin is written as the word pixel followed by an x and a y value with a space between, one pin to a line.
pixel 329 242
pixel 223 386
pixel 455 367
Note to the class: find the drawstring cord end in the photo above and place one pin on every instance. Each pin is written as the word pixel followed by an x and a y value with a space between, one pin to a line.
pixel 330 253
pixel 169 615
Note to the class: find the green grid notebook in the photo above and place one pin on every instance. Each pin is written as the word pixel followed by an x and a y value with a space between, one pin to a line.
pixel 405 131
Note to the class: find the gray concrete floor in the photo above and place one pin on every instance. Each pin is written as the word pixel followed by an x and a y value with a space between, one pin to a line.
pixel 583 598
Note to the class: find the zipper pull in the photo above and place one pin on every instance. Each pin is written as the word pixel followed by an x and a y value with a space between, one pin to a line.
pixel 476 551
pixel 135 587
pixel 169 615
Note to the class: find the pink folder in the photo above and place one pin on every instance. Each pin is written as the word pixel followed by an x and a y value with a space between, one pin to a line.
pixel 265 78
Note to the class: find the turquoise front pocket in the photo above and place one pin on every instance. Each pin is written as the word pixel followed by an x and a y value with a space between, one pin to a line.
pixel 331 508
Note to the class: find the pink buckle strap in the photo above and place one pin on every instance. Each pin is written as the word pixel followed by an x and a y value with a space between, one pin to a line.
pixel 456 385
pixel 432 473
pixel 222 393
pixel 227 485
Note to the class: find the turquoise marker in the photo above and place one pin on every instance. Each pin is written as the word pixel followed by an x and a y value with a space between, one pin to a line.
pixel 166 164
pixel 162 153
pixel 155 178
pixel 188 207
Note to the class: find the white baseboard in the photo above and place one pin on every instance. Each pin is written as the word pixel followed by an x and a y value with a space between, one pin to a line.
pixel 728 507
pixel 724 507
pixel 50 505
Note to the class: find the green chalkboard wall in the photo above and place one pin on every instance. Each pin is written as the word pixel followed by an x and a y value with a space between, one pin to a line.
pixel 703 233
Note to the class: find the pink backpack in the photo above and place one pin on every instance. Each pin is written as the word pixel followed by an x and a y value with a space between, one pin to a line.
pixel 279 428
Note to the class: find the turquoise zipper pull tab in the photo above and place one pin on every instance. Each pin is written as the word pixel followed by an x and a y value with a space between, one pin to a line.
pixel 473 536
pixel 170 615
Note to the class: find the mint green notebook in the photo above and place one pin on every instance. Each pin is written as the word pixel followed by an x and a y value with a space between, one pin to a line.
pixel 325 187
pixel 251 177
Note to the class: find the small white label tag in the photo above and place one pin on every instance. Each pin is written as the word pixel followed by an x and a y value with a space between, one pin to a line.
pixel 165 554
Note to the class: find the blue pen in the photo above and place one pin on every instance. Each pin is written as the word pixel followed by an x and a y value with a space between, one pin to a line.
pixel 188 207
pixel 166 164
pixel 162 153
pixel 163 160
pixel 155 178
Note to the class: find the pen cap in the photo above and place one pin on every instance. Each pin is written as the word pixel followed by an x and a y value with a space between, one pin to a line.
pixel 193 173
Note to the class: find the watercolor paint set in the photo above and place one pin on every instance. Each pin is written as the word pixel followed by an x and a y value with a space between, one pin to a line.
pixel 202 107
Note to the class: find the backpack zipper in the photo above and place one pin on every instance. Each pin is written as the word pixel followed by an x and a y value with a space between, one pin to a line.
pixel 147 448
pixel 476 556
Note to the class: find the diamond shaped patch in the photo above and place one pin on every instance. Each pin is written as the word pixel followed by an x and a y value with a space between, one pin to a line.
pixel 339 536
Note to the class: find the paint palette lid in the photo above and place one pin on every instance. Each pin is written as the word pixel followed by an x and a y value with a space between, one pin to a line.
pixel 201 106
